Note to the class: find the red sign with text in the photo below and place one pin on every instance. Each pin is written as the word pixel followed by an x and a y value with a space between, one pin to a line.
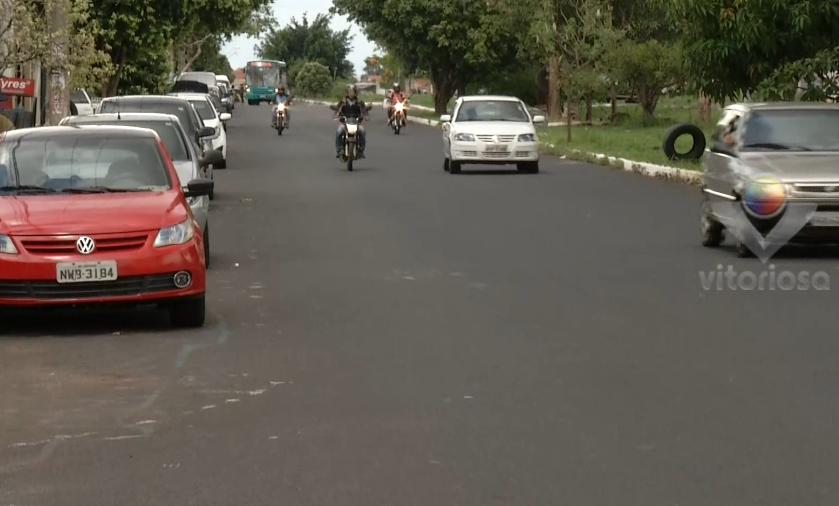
pixel 17 86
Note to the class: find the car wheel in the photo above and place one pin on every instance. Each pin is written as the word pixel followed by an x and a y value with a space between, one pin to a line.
pixel 742 250
pixel 207 246
pixel 222 165
pixel 188 313
pixel 446 164
pixel 713 231
pixel 454 167
pixel 528 167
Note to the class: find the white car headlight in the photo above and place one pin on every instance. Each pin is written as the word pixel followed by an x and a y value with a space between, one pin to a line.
pixel 464 137
pixel 7 246
pixel 527 138
pixel 176 234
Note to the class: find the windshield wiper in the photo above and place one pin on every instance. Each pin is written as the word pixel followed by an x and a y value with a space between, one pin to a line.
pixel 27 187
pixel 100 189
pixel 776 145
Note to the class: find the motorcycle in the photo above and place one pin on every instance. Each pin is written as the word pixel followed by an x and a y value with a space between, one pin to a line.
pixel 351 125
pixel 397 120
pixel 280 118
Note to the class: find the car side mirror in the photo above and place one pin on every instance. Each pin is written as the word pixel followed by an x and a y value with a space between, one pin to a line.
pixel 206 132
pixel 538 119
pixel 446 118
pixel 214 157
pixel 225 116
pixel 199 188
pixel 333 107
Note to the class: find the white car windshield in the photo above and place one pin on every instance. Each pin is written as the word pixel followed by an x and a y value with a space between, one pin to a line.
pixel 204 109
pixel 492 110
pixel 792 129
pixel 69 164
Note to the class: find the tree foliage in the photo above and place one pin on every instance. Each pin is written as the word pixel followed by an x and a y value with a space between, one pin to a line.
pixel 25 37
pixel 373 65
pixel 213 60
pixel 301 41
pixel 457 41
pixel 647 67
pixel 733 46
pixel 313 80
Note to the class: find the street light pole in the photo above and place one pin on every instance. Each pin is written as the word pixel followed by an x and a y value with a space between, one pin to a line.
pixel 58 104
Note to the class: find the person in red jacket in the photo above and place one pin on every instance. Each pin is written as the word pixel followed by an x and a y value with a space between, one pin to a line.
pixel 396 95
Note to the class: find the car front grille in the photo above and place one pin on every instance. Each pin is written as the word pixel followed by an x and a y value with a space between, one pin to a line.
pixel 817 187
pixel 496 154
pixel 52 290
pixel 50 245
pixel 468 154
pixel 523 154
pixel 501 138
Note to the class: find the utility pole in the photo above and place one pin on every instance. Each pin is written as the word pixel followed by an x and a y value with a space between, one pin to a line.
pixel 59 96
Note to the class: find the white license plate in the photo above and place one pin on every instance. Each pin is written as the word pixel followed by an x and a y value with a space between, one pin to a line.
pixel 85 272
pixel 496 149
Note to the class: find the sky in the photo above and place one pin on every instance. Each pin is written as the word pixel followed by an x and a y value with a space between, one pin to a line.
pixel 240 49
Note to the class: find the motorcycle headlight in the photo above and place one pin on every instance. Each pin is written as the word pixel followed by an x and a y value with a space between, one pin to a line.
pixel 527 138
pixel 7 246
pixel 464 137
pixel 399 106
pixel 280 107
pixel 176 234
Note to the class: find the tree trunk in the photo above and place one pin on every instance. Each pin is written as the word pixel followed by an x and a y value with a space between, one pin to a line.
pixel 568 116
pixel 613 94
pixel 113 83
pixel 588 107
pixel 443 91
pixel 554 108
pixel 704 108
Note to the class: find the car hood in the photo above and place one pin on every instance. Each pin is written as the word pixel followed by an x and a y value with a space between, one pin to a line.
pixel 494 128
pixel 185 170
pixel 98 213
pixel 211 122
pixel 794 167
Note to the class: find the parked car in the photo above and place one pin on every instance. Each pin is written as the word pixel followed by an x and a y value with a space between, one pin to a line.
pixel 772 166
pixel 83 102
pixel 96 214
pixel 490 130
pixel 203 105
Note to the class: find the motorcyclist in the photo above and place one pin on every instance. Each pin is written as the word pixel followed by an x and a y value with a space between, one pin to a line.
pixel 351 107
pixel 396 95
pixel 281 97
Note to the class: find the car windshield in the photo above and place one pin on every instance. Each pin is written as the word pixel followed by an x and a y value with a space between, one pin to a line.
pixel 83 163
pixel 78 97
pixel 179 110
pixel 167 130
pixel 204 109
pixel 492 110
pixel 792 129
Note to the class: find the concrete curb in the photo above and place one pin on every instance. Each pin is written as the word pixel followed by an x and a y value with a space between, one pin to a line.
pixel 643 168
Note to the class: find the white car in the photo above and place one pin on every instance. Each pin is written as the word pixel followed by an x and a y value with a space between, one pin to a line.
pixel 83 103
pixel 490 130
pixel 211 118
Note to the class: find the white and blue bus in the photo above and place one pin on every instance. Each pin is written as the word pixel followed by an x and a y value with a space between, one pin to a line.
pixel 262 77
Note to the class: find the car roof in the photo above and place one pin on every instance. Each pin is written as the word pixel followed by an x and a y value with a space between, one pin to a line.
pixel 477 98
pixel 74 131
pixel 766 106
pixel 114 116
pixel 147 99
pixel 192 96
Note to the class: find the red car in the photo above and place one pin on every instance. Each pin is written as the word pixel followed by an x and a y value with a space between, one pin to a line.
pixel 96 214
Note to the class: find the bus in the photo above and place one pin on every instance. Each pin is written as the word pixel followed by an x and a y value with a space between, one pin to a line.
pixel 262 77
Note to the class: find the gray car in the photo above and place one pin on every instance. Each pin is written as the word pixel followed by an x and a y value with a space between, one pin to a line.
pixel 183 153
pixel 771 176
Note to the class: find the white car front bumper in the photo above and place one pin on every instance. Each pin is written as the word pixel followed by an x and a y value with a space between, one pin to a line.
pixel 488 153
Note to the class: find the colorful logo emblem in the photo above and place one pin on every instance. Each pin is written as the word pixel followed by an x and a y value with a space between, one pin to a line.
pixel 764 197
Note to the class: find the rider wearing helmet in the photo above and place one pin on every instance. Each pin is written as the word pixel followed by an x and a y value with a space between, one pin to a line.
pixel 351 107
pixel 396 95
pixel 281 97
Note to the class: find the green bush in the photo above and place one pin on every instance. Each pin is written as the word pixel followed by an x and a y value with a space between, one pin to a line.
pixel 313 80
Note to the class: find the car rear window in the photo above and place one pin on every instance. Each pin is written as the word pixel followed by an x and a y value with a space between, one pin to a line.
pixel 68 161
pixel 167 130
pixel 78 97
pixel 179 110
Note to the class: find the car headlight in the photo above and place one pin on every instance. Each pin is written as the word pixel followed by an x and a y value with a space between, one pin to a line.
pixel 527 138
pixel 7 246
pixel 176 234
pixel 464 137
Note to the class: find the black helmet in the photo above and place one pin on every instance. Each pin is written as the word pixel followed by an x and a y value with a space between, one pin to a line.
pixel 396 87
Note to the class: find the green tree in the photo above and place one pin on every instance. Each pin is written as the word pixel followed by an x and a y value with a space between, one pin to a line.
pixel 313 80
pixel 373 65
pixel 457 41
pixel 647 67
pixel 147 73
pixel 730 46
pixel 301 41
pixel 213 60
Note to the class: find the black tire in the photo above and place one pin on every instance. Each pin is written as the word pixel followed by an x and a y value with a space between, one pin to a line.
pixel 279 130
pixel 678 130
pixel 528 167
pixel 220 166
pixel 207 246
pixel 446 162
pixel 712 231
pixel 188 313
pixel 454 167
pixel 742 251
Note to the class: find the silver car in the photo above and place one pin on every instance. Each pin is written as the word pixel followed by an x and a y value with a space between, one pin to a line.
pixel 184 155
pixel 771 176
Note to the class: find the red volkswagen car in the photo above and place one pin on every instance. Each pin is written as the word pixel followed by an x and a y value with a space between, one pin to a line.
pixel 96 214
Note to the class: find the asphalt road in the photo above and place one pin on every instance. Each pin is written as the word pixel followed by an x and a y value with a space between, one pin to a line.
pixel 400 336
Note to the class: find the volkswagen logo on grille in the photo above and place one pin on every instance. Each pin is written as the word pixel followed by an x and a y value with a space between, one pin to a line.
pixel 85 245
pixel 495 139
